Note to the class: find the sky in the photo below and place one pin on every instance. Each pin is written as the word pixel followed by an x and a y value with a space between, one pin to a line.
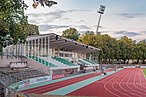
pixel 121 17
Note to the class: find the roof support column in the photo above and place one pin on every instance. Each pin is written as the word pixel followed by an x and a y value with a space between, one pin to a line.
pixel 41 49
pixel 9 50
pixel 12 51
pixel 16 50
pixel 48 53
pixel 35 50
pixel 74 56
pixel 21 51
pixel 98 57
pixel 38 47
pixel 48 46
pixel 89 56
pixel 42 46
pixel 31 45
pixel 58 52
pixel 63 54
pixel 45 46
pixel 28 48
pixel 24 49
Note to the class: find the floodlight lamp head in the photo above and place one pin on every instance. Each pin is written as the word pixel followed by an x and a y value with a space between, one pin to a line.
pixel 87 46
pixel 101 10
pixel 56 37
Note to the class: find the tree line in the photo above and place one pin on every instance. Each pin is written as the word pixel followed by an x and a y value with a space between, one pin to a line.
pixel 123 50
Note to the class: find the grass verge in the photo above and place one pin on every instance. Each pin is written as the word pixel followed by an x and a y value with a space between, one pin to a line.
pixel 144 72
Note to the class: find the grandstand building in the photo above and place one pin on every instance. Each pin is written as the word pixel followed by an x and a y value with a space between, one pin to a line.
pixel 52 53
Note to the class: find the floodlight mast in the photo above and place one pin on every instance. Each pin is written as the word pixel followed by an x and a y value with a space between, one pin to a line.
pixel 101 11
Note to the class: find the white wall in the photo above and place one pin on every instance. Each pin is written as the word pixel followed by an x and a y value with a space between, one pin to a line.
pixel 35 65
pixel 6 61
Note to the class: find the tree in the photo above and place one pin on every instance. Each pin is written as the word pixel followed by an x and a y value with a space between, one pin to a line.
pixel 13 23
pixel 125 46
pixel 48 3
pixel 71 33
pixel 87 38
pixel 11 16
pixel 30 29
pixel 89 32
pixel 141 51
pixel 105 43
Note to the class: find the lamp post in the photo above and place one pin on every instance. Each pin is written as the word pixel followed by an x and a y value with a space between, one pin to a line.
pixel 101 11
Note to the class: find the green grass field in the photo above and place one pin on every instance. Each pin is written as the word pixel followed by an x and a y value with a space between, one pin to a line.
pixel 144 72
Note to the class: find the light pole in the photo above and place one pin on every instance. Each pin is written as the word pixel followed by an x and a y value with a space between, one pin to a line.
pixel 101 11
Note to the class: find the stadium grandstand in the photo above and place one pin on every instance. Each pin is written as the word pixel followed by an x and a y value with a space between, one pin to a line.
pixel 44 55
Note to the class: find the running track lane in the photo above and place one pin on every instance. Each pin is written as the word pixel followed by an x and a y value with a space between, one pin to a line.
pixel 128 82
pixel 56 85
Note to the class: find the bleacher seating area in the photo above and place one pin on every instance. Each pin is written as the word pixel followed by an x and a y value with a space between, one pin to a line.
pixel 82 62
pixel 60 63
pixel 89 61
pixel 1 90
pixel 9 76
pixel 53 61
pixel 86 62
pixel 42 61
pixel 66 62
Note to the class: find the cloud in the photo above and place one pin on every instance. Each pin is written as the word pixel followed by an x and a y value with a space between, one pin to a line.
pixel 101 27
pixel 131 34
pixel 51 27
pixel 59 16
pixel 56 13
pixel 85 27
pixel 82 21
pixel 46 17
pixel 138 36
pixel 119 32
pixel 126 33
pixel 58 20
pixel 95 26
pixel 74 10
pixel 33 21
pixel 132 15
pixel 143 32
pixel 82 32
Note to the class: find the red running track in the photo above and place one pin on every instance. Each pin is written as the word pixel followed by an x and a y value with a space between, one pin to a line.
pixel 56 85
pixel 128 82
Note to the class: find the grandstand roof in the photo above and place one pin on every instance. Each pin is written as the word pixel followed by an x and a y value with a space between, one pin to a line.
pixel 65 44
